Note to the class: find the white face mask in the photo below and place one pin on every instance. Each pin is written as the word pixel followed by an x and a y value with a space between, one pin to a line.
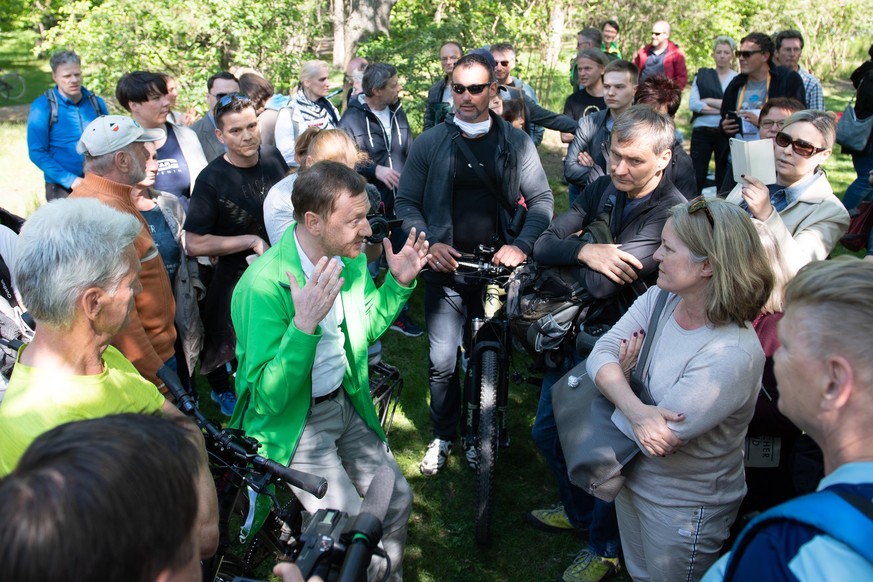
pixel 474 129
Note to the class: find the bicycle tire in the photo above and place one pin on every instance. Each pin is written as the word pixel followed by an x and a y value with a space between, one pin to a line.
pixel 13 86
pixel 488 380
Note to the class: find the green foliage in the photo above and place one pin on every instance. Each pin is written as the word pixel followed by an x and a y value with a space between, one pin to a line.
pixel 190 40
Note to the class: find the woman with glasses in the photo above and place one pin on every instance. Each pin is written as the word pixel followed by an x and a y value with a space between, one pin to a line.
pixel 707 90
pixel 683 491
pixel 800 208
pixel 308 107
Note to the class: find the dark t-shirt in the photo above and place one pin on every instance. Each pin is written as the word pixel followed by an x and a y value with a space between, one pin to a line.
pixel 654 65
pixel 474 208
pixel 582 103
pixel 173 173
pixel 166 243
pixel 229 201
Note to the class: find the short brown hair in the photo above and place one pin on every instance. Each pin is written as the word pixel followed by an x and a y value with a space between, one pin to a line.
pixel 318 188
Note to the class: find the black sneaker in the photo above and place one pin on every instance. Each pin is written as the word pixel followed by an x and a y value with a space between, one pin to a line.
pixel 406 326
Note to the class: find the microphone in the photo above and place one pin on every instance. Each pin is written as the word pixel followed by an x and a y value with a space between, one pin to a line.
pixel 365 531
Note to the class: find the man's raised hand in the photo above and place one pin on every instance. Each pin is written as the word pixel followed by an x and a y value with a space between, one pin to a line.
pixel 406 264
pixel 313 301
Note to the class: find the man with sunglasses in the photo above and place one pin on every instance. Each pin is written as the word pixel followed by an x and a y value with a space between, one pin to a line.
pixel 758 81
pixel 462 185
pixel 504 61
pixel 226 220
pixel 662 56
pixel 217 86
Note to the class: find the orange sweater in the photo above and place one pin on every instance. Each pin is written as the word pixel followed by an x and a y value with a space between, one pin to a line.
pixel 148 339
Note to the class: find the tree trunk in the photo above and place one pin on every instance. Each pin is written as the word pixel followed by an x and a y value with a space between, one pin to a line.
pixel 355 19
pixel 338 17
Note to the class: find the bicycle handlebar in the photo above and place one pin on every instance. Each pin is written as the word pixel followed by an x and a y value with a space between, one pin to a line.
pixel 227 441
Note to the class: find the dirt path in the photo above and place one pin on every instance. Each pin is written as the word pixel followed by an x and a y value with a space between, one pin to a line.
pixel 14 113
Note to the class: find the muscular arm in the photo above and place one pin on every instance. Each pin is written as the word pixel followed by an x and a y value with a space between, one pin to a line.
pixel 213 245
pixel 537 194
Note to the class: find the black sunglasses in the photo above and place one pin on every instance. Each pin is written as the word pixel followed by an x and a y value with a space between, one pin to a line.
pixel 502 63
pixel 657 33
pixel 473 89
pixel 800 147
pixel 700 203
pixel 747 54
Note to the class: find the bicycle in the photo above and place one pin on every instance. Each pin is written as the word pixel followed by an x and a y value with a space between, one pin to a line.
pixel 12 86
pixel 486 378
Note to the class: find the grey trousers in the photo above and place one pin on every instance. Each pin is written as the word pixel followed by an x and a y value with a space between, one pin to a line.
pixel 336 444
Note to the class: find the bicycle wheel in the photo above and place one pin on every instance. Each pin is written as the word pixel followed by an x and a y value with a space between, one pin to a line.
pixel 488 378
pixel 13 86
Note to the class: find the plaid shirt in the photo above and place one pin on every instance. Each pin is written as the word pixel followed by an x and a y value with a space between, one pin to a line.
pixel 814 94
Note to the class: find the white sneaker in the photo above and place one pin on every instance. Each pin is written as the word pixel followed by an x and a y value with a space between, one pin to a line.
pixel 472 455
pixel 435 457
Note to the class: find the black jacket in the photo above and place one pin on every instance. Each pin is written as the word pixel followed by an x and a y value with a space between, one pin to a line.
pixel 783 83
pixel 639 235
pixel 364 127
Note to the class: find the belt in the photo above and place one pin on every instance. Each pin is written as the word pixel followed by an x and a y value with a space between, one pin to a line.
pixel 326 397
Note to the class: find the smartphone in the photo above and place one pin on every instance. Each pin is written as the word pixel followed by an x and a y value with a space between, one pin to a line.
pixel 732 115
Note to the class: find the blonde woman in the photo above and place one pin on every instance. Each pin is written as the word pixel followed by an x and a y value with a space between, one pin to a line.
pixel 682 495
pixel 308 107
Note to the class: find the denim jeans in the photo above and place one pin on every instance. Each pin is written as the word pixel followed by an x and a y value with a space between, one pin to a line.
pixel 583 510
pixel 860 189
pixel 447 308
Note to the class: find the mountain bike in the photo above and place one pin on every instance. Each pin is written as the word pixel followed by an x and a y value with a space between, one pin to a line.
pixel 486 379
pixel 12 86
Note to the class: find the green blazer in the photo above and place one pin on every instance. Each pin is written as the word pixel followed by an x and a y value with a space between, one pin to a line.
pixel 274 375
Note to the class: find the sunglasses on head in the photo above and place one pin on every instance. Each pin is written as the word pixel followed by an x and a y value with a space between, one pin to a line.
pixel 800 147
pixel 700 203
pixel 473 89
pixel 747 54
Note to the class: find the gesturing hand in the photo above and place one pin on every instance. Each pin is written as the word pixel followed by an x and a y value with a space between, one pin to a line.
pixel 314 300
pixel 611 261
pixel 406 264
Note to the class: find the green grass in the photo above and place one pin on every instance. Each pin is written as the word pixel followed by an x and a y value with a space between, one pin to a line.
pixel 16 54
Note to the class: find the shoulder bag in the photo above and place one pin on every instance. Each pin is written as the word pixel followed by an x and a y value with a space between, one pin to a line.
pixel 596 451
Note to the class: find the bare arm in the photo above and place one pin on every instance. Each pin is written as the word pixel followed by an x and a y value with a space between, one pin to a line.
pixel 212 245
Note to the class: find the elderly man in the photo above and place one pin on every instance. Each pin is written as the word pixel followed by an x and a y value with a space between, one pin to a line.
pixel 180 157
pixel 825 380
pixel 116 156
pixel 217 86
pixel 78 272
pixel 144 531
pixel 226 220
pixel 640 154
pixel 55 124
pixel 439 96
pixel 305 313
pixel 789 47
pixel 513 87
pixel 662 56
pixel 462 185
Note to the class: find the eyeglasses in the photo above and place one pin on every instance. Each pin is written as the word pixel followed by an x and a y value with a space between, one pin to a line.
pixel 747 54
pixel 701 203
pixel 502 63
pixel 800 147
pixel 473 89
pixel 770 123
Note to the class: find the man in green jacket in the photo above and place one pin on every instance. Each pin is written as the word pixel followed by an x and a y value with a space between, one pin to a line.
pixel 304 314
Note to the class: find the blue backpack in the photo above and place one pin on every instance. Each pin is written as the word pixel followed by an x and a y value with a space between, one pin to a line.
pixel 843 515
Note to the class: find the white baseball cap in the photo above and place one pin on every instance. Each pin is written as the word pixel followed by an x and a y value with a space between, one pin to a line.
pixel 110 133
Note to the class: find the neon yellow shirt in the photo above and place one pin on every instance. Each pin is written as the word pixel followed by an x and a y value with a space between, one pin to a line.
pixel 38 400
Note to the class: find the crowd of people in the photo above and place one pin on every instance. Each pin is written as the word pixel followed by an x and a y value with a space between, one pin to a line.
pixel 240 242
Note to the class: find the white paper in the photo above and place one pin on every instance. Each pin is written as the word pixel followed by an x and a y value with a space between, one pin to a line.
pixel 753 158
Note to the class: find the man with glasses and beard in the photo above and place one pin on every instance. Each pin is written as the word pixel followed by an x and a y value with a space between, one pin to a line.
pixel 461 185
